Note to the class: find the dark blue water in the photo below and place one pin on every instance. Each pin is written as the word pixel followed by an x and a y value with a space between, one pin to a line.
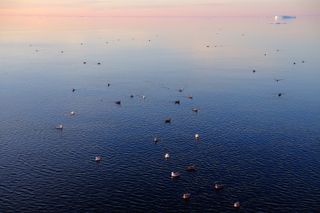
pixel 262 147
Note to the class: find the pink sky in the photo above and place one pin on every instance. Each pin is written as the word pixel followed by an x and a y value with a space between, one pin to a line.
pixel 160 8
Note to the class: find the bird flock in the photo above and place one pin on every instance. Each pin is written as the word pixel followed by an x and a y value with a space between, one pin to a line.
pixel 190 168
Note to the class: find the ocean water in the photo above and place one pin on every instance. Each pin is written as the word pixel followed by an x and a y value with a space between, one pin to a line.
pixel 263 147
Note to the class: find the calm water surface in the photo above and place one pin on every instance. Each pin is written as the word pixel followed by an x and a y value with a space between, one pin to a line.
pixel 262 147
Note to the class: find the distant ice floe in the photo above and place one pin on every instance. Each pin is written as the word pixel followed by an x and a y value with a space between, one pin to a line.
pixel 282 19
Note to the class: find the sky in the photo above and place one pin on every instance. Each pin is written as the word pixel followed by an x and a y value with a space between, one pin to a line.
pixel 159 7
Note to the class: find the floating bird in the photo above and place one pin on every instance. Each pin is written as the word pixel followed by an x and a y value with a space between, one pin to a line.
pixel 131 96
pixel 118 102
pixel 156 139
pixel 302 62
pixel 84 62
pixel 98 158
pixel 218 186
pixel 62 51
pixel 186 196
pixel 98 63
pixel 208 46
pixel 167 121
pixel 277 79
pixel 190 97
pixel 167 156
pixel 191 168
pixel 236 205
pixel 280 94
pixel 294 63
pixel 180 90
pixel 60 127
pixel 195 110
pixel 197 136
pixel 144 97
pixel 265 54
pixel 253 71
pixel 177 102
pixel 81 43
pixel 73 89
pixel 175 174
pixel 72 113
pixel 108 84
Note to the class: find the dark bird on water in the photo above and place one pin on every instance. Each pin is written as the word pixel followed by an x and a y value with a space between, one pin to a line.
pixel 131 96
pixel 118 102
pixel 73 89
pixel 108 84
pixel 195 110
pixel 180 90
pixel 253 71
pixel 99 63
pixel 277 79
pixel 280 94
pixel 167 120
pixel 191 168
pixel 177 102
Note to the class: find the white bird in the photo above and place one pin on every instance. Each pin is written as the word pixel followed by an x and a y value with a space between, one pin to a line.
pixel 60 126
pixel 175 174
pixel 236 204
pixel 98 158
pixel 186 196
pixel 167 156
pixel 197 136
pixel 72 113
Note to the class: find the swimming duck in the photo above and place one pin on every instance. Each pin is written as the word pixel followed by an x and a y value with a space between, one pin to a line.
pixel 72 113
pixel 190 97
pixel 118 102
pixel 177 102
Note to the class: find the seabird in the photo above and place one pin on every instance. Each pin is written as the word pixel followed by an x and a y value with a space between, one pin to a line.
pixel 175 174
pixel 186 196
pixel 236 205
pixel 167 121
pixel 98 158
pixel 197 136
pixel 60 127
pixel 195 110
pixel 167 156
pixel 118 102
pixel 177 102
pixel 218 186
pixel 191 168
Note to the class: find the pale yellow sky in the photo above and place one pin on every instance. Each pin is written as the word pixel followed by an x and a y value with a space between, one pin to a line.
pixel 160 7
